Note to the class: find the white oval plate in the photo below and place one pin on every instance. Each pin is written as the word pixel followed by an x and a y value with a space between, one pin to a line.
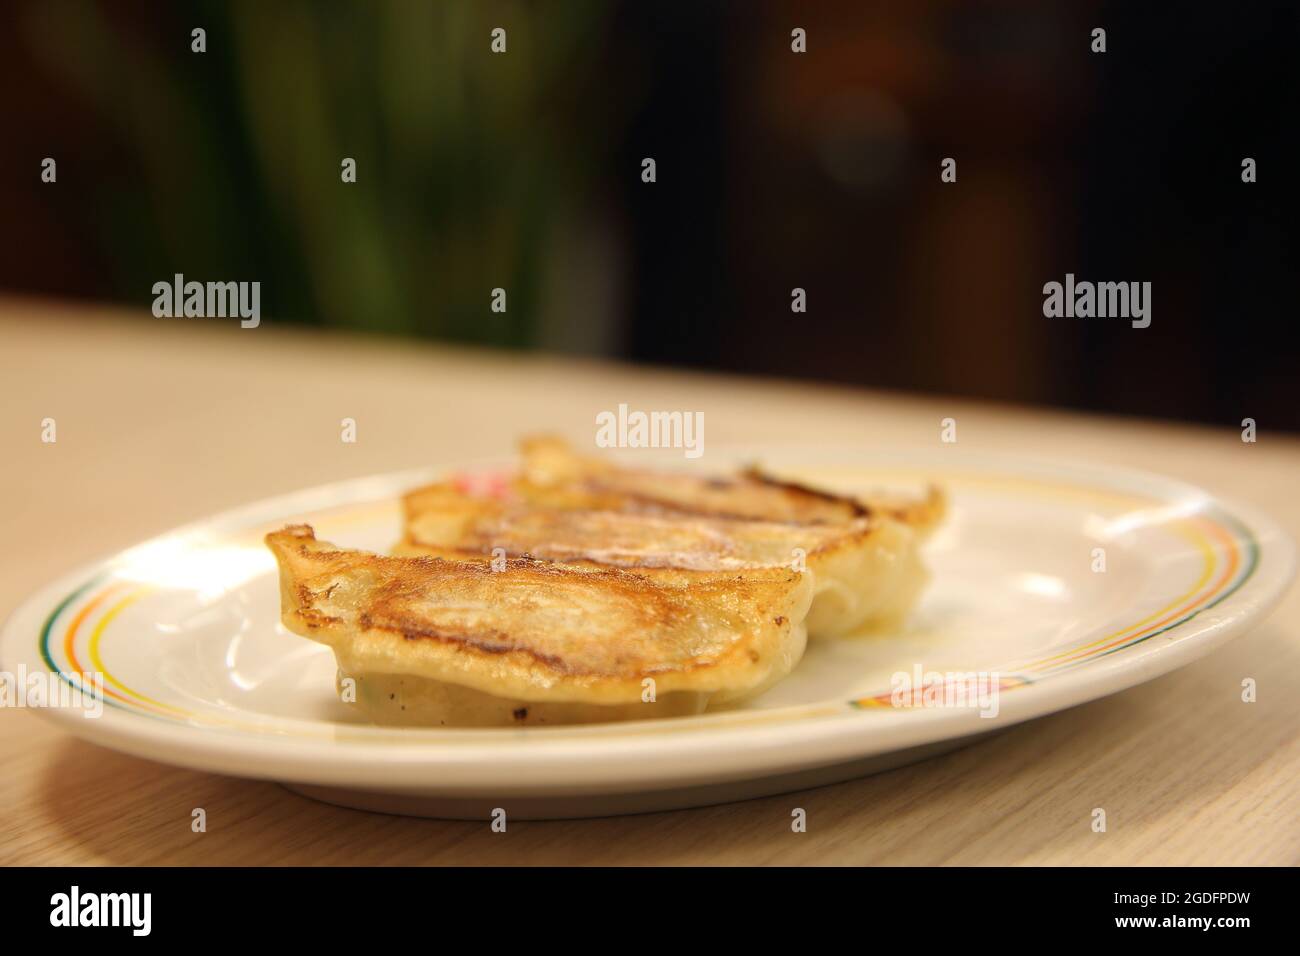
pixel 197 670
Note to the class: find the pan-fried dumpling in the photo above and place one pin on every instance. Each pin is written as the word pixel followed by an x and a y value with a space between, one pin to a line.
pixel 864 556
pixel 437 642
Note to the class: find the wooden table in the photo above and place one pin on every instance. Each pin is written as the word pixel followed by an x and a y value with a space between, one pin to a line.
pixel 164 421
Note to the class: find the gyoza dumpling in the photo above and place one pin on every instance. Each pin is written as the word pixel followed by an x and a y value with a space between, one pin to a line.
pixel 435 642
pixel 864 556
pixel 865 572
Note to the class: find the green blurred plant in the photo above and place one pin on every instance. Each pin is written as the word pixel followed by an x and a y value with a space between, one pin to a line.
pixel 466 159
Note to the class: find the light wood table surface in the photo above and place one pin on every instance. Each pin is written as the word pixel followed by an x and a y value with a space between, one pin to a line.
pixel 162 421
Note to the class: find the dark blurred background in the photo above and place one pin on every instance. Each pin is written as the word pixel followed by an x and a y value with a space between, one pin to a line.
pixel 775 170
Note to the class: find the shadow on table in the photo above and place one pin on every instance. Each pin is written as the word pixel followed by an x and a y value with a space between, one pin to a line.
pixel 1024 796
